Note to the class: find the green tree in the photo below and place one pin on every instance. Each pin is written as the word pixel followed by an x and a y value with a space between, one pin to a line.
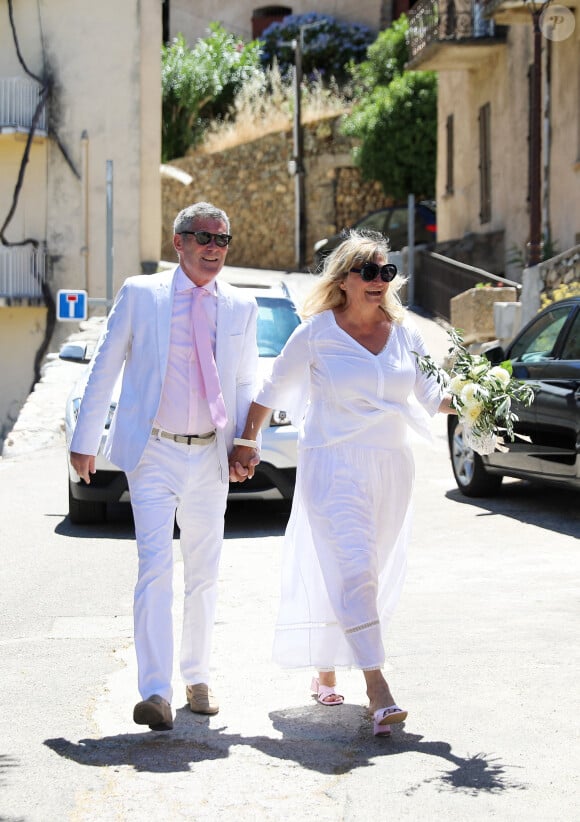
pixel 386 58
pixel 200 84
pixel 395 118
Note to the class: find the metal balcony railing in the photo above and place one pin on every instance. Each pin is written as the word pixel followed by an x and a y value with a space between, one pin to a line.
pixel 489 6
pixel 22 272
pixel 439 278
pixel 18 101
pixel 446 21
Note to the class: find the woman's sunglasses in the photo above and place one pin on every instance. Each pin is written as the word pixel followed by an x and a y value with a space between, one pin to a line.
pixel 204 238
pixel 369 271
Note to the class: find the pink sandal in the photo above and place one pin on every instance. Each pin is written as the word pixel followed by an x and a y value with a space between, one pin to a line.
pixel 323 692
pixel 385 717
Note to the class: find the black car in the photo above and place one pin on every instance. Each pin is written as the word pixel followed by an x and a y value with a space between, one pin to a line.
pixel 393 223
pixel 546 446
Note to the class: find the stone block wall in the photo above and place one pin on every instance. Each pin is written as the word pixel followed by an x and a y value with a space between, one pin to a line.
pixel 252 184
pixel 472 311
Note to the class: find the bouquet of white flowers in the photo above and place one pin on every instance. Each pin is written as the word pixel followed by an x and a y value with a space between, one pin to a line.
pixel 481 393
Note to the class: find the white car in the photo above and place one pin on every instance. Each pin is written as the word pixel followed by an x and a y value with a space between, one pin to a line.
pixel 276 474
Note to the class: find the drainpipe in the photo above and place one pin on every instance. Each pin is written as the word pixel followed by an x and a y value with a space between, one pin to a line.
pixel 547 94
pixel 85 209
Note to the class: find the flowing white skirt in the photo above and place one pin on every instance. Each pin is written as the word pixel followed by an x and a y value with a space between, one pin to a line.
pixel 344 556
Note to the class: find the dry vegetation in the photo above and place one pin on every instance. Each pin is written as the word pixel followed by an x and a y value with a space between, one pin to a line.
pixel 266 105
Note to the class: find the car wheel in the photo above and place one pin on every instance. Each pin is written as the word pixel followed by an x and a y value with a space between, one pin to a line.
pixel 81 512
pixel 470 474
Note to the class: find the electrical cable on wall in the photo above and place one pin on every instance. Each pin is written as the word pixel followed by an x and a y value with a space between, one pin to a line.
pixel 44 94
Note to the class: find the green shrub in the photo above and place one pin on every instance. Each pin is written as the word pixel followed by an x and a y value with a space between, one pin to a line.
pixel 397 127
pixel 200 84
pixel 395 118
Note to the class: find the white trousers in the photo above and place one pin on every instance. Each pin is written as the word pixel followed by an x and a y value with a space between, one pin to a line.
pixel 171 479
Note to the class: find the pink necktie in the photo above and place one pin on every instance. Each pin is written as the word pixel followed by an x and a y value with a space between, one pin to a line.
pixel 211 380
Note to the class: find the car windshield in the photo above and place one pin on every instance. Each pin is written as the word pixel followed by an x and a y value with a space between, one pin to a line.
pixel 277 319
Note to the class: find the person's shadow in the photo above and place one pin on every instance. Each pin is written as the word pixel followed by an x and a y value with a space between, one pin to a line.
pixel 311 737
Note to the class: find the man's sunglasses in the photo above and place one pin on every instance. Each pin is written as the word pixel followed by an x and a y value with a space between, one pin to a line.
pixel 205 237
pixel 369 271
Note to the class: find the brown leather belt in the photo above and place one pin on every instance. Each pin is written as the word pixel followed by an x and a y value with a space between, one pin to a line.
pixel 185 439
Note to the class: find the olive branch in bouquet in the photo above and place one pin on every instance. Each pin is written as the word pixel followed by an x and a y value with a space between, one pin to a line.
pixel 482 394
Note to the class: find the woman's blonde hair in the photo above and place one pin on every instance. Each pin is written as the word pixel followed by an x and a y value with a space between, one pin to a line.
pixel 357 248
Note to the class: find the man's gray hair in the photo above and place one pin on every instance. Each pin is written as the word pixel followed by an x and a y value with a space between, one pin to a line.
pixel 187 216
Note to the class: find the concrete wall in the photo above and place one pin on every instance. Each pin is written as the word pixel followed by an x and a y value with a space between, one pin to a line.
pixel 21 333
pixel 252 184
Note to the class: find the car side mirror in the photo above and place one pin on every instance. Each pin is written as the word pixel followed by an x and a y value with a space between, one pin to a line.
pixel 495 355
pixel 74 352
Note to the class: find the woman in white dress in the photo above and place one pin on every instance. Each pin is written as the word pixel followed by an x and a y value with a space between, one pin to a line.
pixel 352 363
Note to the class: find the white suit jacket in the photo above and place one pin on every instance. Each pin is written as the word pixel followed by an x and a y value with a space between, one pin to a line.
pixel 137 337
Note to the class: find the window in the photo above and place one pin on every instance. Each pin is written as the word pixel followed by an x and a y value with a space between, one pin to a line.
pixel 165 20
pixel 277 319
pixel 530 106
pixel 449 179
pixel 485 163
pixel 265 16
pixel 537 344
pixel 578 117
pixel 571 350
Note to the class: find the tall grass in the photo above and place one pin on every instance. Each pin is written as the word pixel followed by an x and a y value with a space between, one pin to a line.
pixel 265 105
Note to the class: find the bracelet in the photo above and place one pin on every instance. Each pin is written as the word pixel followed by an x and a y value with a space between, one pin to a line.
pixel 247 443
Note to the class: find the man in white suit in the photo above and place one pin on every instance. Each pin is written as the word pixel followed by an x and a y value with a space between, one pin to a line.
pixel 174 425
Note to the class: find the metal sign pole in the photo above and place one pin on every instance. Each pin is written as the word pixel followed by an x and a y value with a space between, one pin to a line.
pixel 411 250
pixel 110 248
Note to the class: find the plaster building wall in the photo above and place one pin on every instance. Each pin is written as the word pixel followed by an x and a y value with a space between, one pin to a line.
pixel 103 63
pixel 563 192
pixel 192 19
pixel 503 82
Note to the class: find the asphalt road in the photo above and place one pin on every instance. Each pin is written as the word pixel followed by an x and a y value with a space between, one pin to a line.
pixel 483 652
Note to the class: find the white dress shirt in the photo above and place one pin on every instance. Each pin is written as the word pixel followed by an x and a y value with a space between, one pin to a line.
pixel 183 408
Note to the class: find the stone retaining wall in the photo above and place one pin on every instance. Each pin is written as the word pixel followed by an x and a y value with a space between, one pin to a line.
pixel 252 184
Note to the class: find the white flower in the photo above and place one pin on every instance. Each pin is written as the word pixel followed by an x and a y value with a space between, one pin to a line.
pixel 502 375
pixel 472 392
pixel 479 366
pixel 457 383
pixel 471 411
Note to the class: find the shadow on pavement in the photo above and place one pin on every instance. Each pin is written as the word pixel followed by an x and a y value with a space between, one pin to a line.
pixel 243 519
pixel 310 738
pixel 552 508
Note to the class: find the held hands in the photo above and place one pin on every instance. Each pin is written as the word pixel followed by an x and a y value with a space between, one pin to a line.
pixel 84 465
pixel 242 462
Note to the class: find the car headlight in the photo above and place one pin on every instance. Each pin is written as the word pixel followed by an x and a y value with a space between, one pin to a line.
pixel 76 405
pixel 280 418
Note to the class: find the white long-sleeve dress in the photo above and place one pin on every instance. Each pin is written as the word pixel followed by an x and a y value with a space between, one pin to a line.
pixel 345 547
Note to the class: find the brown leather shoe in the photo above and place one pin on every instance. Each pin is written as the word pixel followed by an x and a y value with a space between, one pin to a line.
pixel 155 712
pixel 201 700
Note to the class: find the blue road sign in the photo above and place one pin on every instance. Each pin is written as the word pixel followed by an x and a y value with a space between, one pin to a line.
pixel 71 305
